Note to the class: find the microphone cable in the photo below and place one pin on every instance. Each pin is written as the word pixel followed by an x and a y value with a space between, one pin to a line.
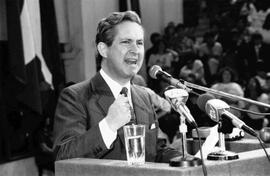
pixel 201 153
pixel 263 147
pixel 256 113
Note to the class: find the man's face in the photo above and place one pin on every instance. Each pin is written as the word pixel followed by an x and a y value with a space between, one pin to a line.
pixel 125 55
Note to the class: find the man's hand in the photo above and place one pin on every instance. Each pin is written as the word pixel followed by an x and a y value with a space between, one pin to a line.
pixel 118 113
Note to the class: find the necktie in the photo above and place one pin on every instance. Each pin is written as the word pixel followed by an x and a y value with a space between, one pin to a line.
pixel 124 91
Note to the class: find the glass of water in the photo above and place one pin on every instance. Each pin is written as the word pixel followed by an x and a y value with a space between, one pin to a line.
pixel 135 144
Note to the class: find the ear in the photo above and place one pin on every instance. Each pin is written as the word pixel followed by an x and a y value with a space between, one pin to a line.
pixel 102 49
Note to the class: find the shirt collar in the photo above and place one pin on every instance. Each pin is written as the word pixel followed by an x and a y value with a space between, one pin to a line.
pixel 113 85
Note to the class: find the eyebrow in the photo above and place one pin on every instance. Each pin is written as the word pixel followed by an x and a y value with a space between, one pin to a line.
pixel 129 39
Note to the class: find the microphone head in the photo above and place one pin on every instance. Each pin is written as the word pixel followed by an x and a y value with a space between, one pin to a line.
pixel 214 108
pixel 154 70
pixel 176 97
pixel 202 100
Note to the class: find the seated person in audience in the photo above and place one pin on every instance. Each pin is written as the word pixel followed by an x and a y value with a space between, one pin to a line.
pixel 255 121
pixel 169 34
pixel 163 57
pixel 256 83
pixel 226 83
pixel 260 93
pixel 90 115
pixel 154 38
pixel 193 68
pixel 210 53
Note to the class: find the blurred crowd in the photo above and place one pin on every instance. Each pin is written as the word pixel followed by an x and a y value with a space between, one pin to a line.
pixel 230 54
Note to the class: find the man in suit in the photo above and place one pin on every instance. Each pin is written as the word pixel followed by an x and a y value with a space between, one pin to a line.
pixel 255 54
pixel 90 115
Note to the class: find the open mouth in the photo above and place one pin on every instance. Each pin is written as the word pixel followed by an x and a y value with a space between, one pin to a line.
pixel 131 61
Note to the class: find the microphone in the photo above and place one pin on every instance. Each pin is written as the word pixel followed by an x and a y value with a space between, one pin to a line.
pixel 156 72
pixel 217 109
pixel 178 98
pixel 202 99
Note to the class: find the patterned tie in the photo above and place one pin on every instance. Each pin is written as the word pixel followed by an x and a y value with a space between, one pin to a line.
pixel 124 91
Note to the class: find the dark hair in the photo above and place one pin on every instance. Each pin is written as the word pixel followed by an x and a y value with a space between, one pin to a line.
pixel 154 36
pixel 106 26
pixel 230 70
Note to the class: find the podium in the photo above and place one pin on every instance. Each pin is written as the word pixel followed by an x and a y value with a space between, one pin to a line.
pixel 245 144
pixel 249 163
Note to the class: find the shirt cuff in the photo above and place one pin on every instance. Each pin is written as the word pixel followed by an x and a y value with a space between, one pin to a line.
pixel 107 134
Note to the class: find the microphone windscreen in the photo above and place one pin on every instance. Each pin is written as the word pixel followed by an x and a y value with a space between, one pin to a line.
pixel 153 71
pixel 202 100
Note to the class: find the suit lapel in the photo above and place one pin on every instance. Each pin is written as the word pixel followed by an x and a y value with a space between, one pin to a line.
pixel 104 102
pixel 140 107
pixel 104 95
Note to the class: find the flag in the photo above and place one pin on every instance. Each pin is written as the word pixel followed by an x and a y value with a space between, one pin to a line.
pixel 26 67
pixel 133 5
pixel 50 42
pixel 123 5
pixel 30 58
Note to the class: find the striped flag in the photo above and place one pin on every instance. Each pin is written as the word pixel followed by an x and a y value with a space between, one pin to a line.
pixel 50 42
pixel 133 5
pixel 26 65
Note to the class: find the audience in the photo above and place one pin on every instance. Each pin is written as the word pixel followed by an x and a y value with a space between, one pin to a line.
pixel 257 89
pixel 154 38
pixel 163 57
pixel 193 71
pixel 210 52
pixel 226 83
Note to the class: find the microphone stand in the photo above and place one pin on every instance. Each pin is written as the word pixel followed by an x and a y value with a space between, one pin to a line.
pixel 221 153
pixel 186 160
pixel 220 93
pixel 156 72
pixel 175 97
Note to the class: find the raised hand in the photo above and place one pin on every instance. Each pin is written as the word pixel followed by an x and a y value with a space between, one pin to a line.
pixel 118 113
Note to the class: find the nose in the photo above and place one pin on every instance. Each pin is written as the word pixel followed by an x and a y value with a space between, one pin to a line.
pixel 134 49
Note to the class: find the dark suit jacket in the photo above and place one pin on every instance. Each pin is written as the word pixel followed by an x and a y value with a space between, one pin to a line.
pixel 80 109
pixel 247 55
